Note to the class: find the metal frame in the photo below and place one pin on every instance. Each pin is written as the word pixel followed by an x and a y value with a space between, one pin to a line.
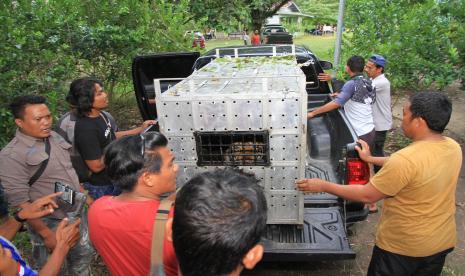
pixel 256 97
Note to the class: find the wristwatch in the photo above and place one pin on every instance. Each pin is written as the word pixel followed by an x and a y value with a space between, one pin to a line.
pixel 16 216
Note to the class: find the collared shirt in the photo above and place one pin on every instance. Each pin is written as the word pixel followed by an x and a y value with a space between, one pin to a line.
pixel 22 157
pixel 382 114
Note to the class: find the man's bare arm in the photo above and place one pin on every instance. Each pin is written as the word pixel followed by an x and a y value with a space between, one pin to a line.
pixel 322 109
pixel 363 193
pixel 365 154
pixel 47 234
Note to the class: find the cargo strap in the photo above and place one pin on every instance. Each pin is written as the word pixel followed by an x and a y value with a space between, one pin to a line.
pixel 158 237
pixel 43 165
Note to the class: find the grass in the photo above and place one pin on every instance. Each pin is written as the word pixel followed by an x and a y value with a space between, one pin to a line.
pixel 322 46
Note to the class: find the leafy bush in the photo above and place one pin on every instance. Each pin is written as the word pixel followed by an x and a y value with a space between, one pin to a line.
pixel 46 44
pixel 414 36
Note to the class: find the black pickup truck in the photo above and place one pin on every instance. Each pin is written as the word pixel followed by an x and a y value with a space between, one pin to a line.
pixel 276 34
pixel 331 153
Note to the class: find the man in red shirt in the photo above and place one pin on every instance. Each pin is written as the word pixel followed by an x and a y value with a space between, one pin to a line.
pixel 255 38
pixel 121 227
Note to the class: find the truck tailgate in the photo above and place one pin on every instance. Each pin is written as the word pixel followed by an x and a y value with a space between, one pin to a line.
pixel 321 237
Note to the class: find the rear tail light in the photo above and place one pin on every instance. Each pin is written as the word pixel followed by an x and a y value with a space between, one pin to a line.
pixel 358 172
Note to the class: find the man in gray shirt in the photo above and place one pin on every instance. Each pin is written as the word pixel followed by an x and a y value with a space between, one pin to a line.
pixel 33 145
pixel 382 115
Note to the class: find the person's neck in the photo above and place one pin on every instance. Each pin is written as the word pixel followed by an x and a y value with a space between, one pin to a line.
pixel 138 196
pixel 94 113
pixel 374 77
pixel 428 136
pixel 352 74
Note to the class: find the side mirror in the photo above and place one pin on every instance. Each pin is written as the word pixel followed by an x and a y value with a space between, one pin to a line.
pixel 326 65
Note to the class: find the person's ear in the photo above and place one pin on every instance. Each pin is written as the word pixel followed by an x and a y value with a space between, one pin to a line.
pixel 147 179
pixel 252 257
pixel 19 122
pixel 169 230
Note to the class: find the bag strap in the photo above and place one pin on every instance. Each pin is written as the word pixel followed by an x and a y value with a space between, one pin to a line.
pixel 158 237
pixel 43 165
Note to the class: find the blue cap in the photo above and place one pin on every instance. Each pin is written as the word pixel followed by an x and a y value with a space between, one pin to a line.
pixel 378 60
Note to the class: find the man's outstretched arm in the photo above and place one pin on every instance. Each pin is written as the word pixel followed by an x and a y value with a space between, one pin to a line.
pixel 363 193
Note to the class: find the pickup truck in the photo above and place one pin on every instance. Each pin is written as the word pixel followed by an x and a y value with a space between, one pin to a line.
pixel 330 149
pixel 275 34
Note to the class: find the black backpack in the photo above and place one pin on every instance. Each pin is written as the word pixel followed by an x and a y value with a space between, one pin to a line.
pixel 65 127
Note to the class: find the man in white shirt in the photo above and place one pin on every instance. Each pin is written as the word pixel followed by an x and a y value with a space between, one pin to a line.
pixel 382 115
pixel 357 97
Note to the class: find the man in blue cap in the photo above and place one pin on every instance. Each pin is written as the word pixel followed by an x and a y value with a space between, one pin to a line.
pixel 382 115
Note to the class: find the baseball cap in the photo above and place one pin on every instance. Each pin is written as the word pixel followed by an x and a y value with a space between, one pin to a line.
pixel 378 60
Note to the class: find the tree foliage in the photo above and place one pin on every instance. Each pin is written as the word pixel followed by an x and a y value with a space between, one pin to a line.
pixel 323 11
pixel 251 13
pixel 414 36
pixel 45 44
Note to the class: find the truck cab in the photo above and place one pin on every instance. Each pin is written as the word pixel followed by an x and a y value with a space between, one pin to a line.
pixel 320 233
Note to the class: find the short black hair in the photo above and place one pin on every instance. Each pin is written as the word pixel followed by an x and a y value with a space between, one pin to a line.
pixel 18 105
pixel 218 217
pixel 81 94
pixel 124 161
pixel 433 107
pixel 356 64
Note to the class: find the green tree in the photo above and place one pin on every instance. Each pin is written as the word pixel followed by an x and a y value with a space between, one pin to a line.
pixel 323 11
pixel 45 44
pixel 252 13
pixel 413 35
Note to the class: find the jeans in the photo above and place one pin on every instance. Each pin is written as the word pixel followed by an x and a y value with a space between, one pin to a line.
pixel 77 261
pixel 3 203
pixel 97 192
pixel 378 146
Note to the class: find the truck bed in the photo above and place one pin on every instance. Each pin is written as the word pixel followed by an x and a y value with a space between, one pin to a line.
pixel 323 235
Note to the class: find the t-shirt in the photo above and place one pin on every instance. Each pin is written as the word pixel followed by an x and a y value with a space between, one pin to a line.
pixel 357 106
pixel 382 115
pixel 121 232
pixel 255 39
pixel 417 218
pixel 23 268
pixel 91 136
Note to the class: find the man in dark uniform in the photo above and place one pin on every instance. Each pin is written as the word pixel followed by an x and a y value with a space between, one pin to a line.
pixel 36 144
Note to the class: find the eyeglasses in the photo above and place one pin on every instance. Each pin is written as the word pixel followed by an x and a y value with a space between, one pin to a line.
pixel 142 146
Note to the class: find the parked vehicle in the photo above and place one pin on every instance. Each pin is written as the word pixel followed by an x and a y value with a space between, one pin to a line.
pixel 275 34
pixel 328 141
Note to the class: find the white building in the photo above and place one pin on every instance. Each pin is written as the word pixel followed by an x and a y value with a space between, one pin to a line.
pixel 289 12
